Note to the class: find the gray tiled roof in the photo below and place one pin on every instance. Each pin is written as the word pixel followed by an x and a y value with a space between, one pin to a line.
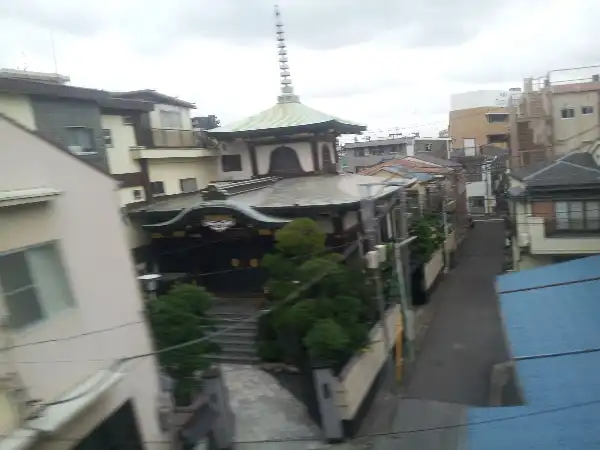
pixel 323 190
pixel 575 169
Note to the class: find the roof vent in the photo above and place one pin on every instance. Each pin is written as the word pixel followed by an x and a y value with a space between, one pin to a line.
pixel 40 77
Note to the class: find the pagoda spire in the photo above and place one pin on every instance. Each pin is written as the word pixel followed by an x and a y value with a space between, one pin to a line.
pixel 287 88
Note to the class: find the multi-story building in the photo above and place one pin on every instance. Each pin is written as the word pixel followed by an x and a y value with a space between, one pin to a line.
pixel 555 209
pixel 484 173
pixel 557 113
pixel 359 155
pixel 70 306
pixel 143 138
pixel 173 156
pixel 480 118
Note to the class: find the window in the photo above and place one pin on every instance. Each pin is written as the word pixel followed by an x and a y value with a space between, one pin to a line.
pixel 359 152
pixel 587 110
pixel 477 202
pixel 188 184
pixel 567 113
pixel 377 151
pixel 428 147
pixel 170 119
pixel 577 215
pixel 107 136
pixel 497 138
pixel 157 187
pixel 137 194
pixel 80 139
pixel 33 285
pixel 231 163
pixel 497 117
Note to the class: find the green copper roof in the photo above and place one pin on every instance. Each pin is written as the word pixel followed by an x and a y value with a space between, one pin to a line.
pixel 285 115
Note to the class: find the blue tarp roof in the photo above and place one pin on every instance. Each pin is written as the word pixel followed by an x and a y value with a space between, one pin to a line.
pixel 544 327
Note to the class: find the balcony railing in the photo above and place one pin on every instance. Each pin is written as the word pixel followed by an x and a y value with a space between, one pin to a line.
pixel 571 227
pixel 169 138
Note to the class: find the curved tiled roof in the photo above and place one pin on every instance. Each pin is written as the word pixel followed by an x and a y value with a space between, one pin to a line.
pixel 284 115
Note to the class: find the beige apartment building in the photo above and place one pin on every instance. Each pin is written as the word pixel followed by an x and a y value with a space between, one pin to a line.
pixel 65 276
pixel 479 118
pixel 557 114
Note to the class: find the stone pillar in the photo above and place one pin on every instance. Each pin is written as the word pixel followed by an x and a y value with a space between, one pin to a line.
pixel 331 418
pixel 216 391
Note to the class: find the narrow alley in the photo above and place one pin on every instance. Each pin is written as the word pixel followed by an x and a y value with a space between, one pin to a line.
pixel 457 352
pixel 465 338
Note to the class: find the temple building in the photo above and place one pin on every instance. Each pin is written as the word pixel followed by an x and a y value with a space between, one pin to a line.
pixel 275 166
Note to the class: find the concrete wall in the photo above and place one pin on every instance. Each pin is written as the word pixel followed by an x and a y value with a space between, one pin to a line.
pixel 433 268
pixel 473 123
pixel 85 222
pixel 171 170
pixel 186 121
pixel 358 376
pixel 570 133
pixel 263 158
pixel 17 107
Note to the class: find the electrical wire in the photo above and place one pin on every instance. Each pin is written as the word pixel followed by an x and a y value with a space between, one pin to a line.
pixel 537 412
pixel 292 296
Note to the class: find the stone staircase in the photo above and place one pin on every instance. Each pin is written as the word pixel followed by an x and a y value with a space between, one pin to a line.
pixel 238 346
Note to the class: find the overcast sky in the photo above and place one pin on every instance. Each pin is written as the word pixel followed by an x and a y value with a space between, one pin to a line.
pixel 386 63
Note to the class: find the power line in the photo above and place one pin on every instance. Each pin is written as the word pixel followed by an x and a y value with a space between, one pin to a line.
pixel 537 412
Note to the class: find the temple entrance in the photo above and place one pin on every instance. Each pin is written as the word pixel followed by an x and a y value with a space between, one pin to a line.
pixel 223 262
pixel 284 162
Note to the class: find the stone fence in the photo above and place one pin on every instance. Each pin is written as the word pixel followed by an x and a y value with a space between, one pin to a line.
pixel 354 388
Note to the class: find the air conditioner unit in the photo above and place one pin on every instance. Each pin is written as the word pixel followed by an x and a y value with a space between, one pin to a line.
pixel 75 149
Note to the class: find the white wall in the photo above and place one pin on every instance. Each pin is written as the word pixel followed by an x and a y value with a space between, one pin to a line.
pixel 123 138
pixel 186 121
pixel 171 170
pixel 85 219
pixel 263 158
pixel 17 107
pixel 480 99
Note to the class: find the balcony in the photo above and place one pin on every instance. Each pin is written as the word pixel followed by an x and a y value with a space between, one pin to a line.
pixel 158 143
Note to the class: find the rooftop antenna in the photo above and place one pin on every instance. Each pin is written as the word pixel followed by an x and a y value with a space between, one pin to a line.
pixel 53 51
pixel 287 88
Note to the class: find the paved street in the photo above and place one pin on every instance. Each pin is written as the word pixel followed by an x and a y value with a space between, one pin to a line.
pixel 465 337
pixel 463 341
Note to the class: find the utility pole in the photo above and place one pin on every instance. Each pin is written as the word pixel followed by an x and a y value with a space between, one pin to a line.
pixel 374 262
pixel 400 258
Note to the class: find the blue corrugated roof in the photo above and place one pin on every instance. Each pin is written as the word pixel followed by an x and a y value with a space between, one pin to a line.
pixel 556 273
pixel 541 322
pixel 552 320
pixel 549 421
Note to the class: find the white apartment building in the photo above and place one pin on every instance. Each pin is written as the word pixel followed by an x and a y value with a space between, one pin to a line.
pixel 71 307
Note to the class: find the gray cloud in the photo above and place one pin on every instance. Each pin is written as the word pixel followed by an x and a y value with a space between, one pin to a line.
pixel 314 24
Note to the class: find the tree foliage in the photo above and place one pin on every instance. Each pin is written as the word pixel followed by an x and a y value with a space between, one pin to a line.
pixel 430 237
pixel 331 318
pixel 176 317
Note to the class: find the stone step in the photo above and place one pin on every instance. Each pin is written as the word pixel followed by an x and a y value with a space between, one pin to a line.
pixel 229 316
pixel 235 359
pixel 235 339
pixel 239 325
